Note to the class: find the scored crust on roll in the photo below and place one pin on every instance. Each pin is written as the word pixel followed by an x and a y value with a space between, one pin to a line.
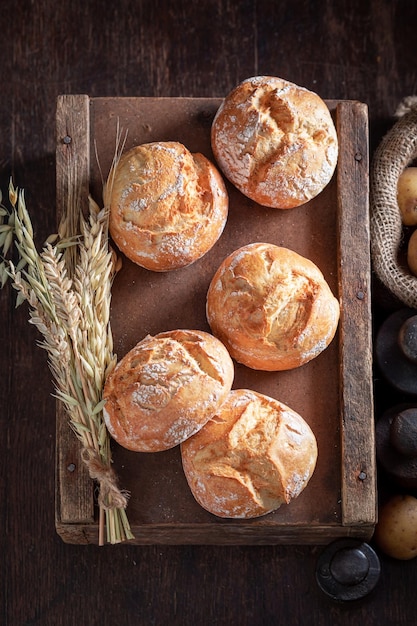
pixel 166 388
pixel 254 455
pixel 168 207
pixel 271 307
pixel 275 141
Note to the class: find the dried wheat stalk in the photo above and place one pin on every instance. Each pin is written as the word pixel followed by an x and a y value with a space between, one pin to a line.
pixel 69 303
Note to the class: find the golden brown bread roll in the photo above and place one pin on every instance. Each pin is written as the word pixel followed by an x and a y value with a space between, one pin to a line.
pixel 166 388
pixel 275 141
pixel 254 455
pixel 168 207
pixel 271 307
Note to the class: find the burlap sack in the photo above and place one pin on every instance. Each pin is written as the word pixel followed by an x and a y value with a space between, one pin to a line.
pixel 395 152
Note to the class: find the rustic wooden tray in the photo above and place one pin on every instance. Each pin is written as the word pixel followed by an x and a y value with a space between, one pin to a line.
pixel 333 392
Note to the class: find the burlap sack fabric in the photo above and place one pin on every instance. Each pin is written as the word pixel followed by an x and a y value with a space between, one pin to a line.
pixel 396 151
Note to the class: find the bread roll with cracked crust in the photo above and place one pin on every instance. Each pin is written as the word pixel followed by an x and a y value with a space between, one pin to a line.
pixel 166 388
pixel 254 455
pixel 275 141
pixel 271 307
pixel 168 207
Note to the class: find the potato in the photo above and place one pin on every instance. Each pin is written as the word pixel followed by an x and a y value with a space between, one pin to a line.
pixel 407 196
pixel 396 530
pixel 412 253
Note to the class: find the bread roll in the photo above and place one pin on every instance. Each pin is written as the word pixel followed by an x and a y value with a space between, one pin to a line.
pixel 275 141
pixel 168 207
pixel 166 388
pixel 254 455
pixel 271 307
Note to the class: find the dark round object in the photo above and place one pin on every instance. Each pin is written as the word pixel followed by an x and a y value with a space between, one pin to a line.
pixel 396 443
pixel 394 345
pixel 403 432
pixel 407 338
pixel 349 566
pixel 347 569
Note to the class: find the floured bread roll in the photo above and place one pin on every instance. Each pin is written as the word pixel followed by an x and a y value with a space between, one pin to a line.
pixel 275 141
pixel 168 207
pixel 271 307
pixel 166 388
pixel 252 456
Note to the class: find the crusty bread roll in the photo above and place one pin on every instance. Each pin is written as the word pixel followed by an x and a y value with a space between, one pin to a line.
pixel 271 307
pixel 275 141
pixel 168 207
pixel 166 388
pixel 252 456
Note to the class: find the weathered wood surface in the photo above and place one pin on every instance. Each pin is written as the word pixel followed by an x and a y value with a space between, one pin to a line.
pixel 76 501
pixel 362 50
pixel 356 386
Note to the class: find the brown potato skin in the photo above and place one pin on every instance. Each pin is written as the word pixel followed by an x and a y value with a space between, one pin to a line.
pixel 412 253
pixel 396 531
pixel 407 196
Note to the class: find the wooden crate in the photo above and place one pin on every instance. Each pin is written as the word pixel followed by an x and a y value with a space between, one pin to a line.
pixel 333 393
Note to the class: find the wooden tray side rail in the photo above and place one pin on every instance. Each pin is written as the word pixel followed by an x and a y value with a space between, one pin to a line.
pixel 74 487
pixel 356 387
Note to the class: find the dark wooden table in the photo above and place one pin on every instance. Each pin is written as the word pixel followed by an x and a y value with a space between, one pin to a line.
pixel 362 49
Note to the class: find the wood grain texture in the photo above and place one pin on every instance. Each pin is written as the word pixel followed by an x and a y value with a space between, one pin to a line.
pixel 72 189
pixel 356 49
pixel 359 466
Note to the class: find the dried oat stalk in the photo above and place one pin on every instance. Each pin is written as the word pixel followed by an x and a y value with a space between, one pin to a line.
pixel 69 303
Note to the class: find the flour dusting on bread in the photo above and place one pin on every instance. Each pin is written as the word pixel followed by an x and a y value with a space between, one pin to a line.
pixel 271 307
pixel 168 206
pixel 166 388
pixel 254 455
pixel 275 141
